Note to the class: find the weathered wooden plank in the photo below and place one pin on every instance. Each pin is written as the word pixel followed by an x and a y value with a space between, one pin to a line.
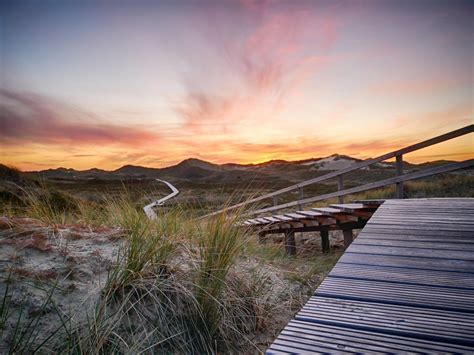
pixel 417 231
pixel 350 207
pixel 438 244
pixel 434 220
pixel 373 202
pixel 370 230
pixel 301 336
pixel 425 210
pixel 424 316
pixel 430 202
pixel 272 219
pixel 398 320
pixel 439 217
pixel 321 218
pixel 439 213
pixel 295 215
pixel 336 213
pixel 448 211
pixel 328 211
pixel 310 213
pixel 418 218
pixel 408 295
pixel 460 217
pixel 412 252
pixel 283 217
pixel 423 226
pixel 390 212
pixel 425 205
pixel 433 237
pixel 404 275
pixel 409 262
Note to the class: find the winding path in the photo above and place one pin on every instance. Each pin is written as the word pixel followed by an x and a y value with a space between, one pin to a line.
pixel 149 208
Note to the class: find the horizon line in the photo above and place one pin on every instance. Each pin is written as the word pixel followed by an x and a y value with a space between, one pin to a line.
pixel 243 164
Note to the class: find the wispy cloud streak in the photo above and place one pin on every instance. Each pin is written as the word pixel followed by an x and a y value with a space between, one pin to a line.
pixel 30 118
pixel 265 66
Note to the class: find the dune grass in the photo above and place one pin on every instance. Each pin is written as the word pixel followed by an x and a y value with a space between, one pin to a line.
pixel 220 242
pixel 150 301
pixel 48 205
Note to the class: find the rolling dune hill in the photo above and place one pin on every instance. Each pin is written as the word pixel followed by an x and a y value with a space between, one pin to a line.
pixel 196 169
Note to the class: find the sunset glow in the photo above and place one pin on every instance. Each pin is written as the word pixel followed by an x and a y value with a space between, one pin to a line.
pixel 103 84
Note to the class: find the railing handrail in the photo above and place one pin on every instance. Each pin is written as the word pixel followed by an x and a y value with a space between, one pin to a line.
pixel 396 153
pixel 373 185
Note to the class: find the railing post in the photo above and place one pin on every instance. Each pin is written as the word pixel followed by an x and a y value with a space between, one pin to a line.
pixel 290 245
pixel 300 197
pixel 348 236
pixel 324 241
pixel 399 166
pixel 340 186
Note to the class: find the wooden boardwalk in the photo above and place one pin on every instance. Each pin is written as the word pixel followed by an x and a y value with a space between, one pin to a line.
pixel 345 217
pixel 406 284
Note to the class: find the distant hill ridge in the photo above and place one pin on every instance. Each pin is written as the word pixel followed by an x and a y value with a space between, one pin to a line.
pixel 193 168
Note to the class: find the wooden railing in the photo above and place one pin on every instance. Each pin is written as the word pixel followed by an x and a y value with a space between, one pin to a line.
pixel 397 180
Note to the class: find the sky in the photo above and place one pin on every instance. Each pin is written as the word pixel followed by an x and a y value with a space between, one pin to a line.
pixel 107 83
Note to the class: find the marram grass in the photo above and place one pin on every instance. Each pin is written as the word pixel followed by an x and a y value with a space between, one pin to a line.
pixel 150 304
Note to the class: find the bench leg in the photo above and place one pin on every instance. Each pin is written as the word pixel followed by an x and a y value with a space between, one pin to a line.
pixel 325 241
pixel 347 237
pixel 290 244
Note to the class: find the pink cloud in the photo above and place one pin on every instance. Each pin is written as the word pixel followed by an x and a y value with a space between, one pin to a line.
pixel 270 63
pixel 29 118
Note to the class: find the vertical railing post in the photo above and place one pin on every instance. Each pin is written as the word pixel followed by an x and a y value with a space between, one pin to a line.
pixel 340 186
pixel 300 197
pixel 348 236
pixel 324 241
pixel 399 166
pixel 290 244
